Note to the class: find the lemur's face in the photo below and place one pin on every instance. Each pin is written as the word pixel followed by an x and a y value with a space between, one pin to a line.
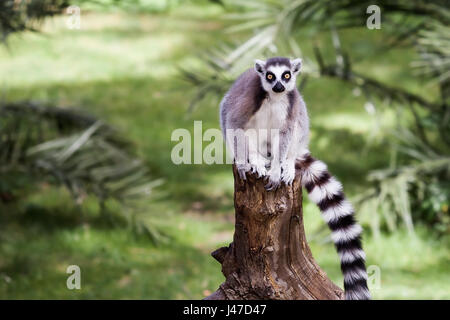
pixel 278 75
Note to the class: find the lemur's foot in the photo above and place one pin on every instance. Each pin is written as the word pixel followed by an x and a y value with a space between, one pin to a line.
pixel 288 172
pixel 274 178
pixel 258 166
pixel 242 169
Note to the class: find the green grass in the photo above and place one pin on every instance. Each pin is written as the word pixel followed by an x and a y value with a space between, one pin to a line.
pixel 123 68
pixel 114 263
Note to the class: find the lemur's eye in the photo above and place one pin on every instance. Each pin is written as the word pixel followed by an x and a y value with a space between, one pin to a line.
pixel 287 75
pixel 269 77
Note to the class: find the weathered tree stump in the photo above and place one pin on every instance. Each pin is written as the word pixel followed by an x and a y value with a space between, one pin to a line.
pixel 269 257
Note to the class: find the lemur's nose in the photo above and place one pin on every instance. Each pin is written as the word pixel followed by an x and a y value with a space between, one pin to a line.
pixel 278 87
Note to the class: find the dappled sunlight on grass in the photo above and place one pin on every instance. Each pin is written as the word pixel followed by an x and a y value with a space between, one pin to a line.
pixel 114 264
pixel 126 47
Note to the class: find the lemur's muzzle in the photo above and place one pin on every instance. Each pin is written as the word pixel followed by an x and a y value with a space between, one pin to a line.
pixel 278 87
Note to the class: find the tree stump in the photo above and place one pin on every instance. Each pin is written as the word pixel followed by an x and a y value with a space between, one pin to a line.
pixel 269 257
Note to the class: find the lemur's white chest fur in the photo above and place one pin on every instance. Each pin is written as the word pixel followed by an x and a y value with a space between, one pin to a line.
pixel 271 115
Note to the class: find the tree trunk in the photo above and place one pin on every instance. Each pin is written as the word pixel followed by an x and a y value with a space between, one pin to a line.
pixel 269 257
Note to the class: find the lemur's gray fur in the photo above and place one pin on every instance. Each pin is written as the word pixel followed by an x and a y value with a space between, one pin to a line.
pixel 266 98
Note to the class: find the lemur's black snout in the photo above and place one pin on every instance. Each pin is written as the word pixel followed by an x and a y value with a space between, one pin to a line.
pixel 278 87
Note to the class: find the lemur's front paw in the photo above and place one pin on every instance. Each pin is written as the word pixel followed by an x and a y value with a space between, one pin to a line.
pixel 288 173
pixel 242 169
pixel 274 178
pixel 258 166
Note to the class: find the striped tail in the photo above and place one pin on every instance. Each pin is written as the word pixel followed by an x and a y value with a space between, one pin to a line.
pixel 324 190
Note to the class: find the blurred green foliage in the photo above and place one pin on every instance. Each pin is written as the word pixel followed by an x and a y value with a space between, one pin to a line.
pixel 46 144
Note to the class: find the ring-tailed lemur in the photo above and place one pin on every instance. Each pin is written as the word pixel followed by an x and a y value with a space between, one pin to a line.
pixel 266 98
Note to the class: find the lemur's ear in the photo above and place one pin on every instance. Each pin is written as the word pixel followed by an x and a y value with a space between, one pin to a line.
pixel 296 65
pixel 260 66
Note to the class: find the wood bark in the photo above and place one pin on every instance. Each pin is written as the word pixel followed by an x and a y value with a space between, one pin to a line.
pixel 269 257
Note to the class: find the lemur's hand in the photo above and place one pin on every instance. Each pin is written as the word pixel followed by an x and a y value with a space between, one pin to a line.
pixel 258 165
pixel 288 172
pixel 242 169
pixel 274 178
